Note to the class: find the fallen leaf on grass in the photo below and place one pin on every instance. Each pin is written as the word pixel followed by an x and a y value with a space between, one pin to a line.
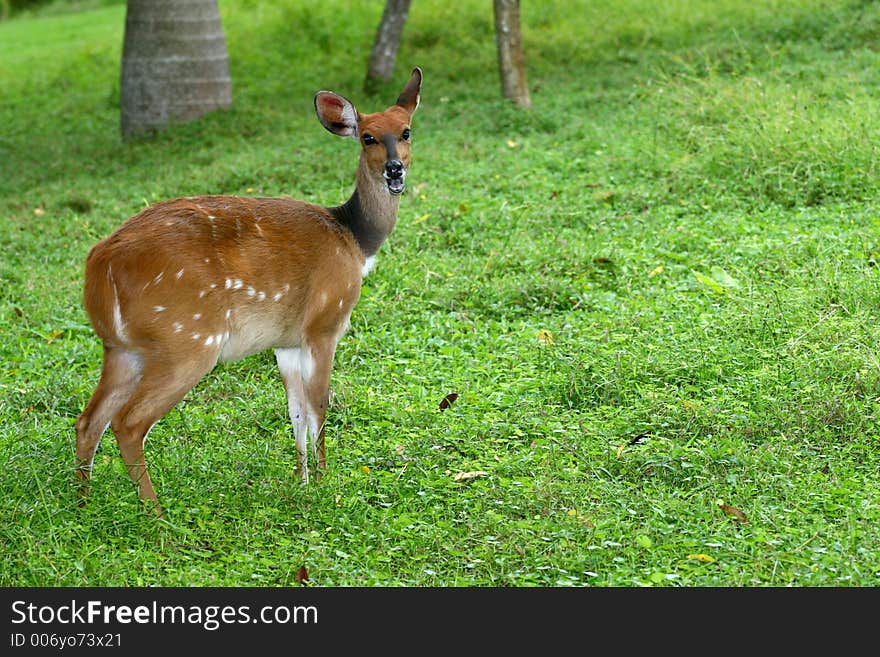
pixel 545 336
pixel 302 575
pixel 737 514
pixel 705 558
pixel 467 476
pixel 447 400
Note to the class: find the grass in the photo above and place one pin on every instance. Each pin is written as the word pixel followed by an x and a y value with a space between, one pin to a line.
pixel 656 294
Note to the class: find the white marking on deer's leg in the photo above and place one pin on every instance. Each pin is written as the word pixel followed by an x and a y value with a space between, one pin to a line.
pixel 290 364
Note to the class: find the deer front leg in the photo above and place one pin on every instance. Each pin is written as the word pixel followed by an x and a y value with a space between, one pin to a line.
pixel 317 389
pixel 291 363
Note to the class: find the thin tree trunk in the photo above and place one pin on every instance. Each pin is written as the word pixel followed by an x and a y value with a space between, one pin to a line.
pixel 175 67
pixel 386 43
pixel 511 61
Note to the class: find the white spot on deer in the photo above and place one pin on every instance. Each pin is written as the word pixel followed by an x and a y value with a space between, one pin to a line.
pixel 213 286
pixel 259 230
pixel 228 283
pixel 158 278
pixel 261 295
pixel 251 291
pixel 228 313
pixel 196 336
pixel 277 296
pixel 118 323
pixel 286 288
pixel 211 217
pixel 341 301
pixel 207 261
pixel 221 336
pixel 209 341
pixel 323 298
pixel 178 274
pixel 197 316
pixel 237 285
pixel 159 309
pixel 177 326
pixel 369 263
pixel 202 294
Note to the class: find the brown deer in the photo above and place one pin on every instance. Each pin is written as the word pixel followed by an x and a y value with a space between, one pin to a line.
pixel 191 282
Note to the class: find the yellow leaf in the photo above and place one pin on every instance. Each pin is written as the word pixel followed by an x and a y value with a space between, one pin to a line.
pixel 39 212
pixel 365 469
pixel 705 558
pixel 511 143
pixel 467 476
pixel 572 512
pixel 50 338
pixel 655 271
pixel 620 450
pixel 545 336
pixel 422 218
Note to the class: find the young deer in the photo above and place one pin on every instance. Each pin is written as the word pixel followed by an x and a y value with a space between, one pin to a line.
pixel 189 282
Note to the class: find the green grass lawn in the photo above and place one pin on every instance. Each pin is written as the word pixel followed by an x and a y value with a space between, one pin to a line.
pixel 657 295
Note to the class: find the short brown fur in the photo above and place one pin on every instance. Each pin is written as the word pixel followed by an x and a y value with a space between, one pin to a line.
pixel 189 282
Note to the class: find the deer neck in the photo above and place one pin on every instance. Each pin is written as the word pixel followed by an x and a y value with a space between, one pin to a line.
pixel 370 213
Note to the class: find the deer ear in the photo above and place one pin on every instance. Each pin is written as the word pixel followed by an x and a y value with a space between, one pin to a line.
pixel 409 97
pixel 337 114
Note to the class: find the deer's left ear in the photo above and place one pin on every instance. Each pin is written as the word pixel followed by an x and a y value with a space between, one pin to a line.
pixel 337 114
pixel 409 97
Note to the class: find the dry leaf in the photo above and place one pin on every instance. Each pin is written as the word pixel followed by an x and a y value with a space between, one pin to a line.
pixel 467 476
pixel 738 515
pixel 705 558
pixel 39 212
pixel 447 400
pixel 302 575
pixel 545 336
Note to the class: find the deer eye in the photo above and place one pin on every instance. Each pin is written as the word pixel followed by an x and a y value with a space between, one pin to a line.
pixel 405 135
pixel 369 139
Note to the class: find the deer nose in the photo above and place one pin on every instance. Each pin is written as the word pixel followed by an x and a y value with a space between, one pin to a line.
pixel 393 169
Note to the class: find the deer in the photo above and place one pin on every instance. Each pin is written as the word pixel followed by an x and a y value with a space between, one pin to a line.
pixel 191 282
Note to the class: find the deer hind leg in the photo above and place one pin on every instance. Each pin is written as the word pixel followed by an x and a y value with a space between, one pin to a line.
pixel 164 382
pixel 120 374
pixel 306 374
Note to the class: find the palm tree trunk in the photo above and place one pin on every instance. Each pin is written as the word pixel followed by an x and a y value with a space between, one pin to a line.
pixel 511 61
pixel 175 67
pixel 386 43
